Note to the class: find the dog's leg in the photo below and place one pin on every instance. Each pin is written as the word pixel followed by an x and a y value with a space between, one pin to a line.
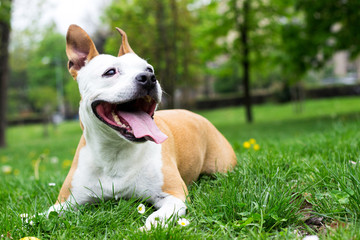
pixel 76 198
pixel 62 202
pixel 168 207
pixel 173 205
pixel 65 189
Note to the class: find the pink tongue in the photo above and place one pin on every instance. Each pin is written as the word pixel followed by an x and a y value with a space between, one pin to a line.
pixel 143 126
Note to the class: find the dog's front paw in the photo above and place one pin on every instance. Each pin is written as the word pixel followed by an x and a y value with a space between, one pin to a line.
pixel 57 208
pixel 154 221
pixel 153 224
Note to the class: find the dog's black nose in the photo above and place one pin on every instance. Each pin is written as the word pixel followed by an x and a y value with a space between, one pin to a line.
pixel 146 79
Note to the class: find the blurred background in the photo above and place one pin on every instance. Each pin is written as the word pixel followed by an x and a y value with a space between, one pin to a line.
pixel 206 53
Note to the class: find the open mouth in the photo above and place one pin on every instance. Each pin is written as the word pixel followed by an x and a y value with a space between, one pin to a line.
pixel 133 119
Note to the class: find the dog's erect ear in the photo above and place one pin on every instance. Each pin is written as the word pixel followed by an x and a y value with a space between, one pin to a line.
pixel 79 49
pixel 125 46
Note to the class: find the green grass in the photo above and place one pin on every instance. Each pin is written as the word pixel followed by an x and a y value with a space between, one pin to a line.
pixel 305 159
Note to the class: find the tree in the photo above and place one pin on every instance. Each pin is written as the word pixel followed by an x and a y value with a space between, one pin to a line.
pixel 5 14
pixel 243 26
pixel 47 67
pixel 38 62
pixel 208 33
pixel 312 32
pixel 44 100
pixel 164 40
pixel 46 58
pixel 330 26
pixel 253 25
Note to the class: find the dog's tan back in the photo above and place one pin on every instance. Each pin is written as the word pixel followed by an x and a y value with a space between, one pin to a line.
pixel 211 152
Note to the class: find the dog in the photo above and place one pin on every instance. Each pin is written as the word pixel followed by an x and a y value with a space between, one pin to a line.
pixel 127 149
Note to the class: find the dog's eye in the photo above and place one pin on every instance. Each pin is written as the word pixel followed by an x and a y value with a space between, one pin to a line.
pixel 110 72
pixel 149 69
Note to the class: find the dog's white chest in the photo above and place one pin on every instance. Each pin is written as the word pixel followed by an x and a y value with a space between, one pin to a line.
pixel 121 174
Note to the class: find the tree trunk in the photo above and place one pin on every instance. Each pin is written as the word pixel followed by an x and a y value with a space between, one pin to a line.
pixel 4 56
pixel 166 48
pixel 242 25
pixel 172 51
pixel 162 53
pixel 297 97
pixel 244 29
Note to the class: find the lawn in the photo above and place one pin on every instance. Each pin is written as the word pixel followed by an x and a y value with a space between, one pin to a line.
pixel 303 180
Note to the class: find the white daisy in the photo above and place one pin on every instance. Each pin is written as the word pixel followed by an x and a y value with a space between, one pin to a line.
pixel 183 222
pixel 141 208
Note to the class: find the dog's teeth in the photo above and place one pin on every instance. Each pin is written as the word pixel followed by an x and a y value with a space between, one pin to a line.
pixel 119 123
pixel 116 118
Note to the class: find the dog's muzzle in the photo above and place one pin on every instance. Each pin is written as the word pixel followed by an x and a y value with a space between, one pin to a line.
pixel 132 119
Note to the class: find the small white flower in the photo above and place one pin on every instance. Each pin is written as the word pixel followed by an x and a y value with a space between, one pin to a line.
pixel 352 162
pixel 311 237
pixel 183 222
pixel 54 160
pixel 141 208
pixel 52 184
pixel 6 169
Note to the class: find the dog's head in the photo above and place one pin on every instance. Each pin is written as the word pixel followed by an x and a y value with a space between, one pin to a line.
pixel 119 94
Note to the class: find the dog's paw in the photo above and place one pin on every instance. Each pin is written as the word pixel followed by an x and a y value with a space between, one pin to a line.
pixel 154 221
pixel 152 225
pixel 55 209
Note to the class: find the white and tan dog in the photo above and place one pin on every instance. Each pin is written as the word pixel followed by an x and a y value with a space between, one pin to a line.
pixel 127 149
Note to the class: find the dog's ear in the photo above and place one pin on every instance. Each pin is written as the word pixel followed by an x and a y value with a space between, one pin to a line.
pixel 79 49
pixel 125 46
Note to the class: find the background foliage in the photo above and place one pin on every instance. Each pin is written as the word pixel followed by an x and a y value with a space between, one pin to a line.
pixel 195 44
